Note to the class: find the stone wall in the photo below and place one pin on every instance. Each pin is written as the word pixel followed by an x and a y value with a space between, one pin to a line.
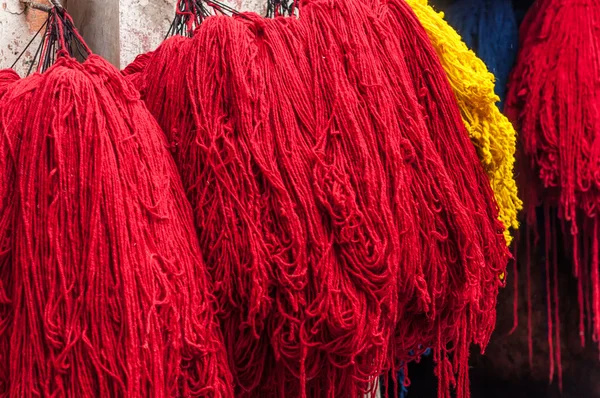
pixel 17 27
pixel 118 30
pixel 144 23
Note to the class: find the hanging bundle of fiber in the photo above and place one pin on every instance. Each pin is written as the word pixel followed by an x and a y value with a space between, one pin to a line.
pixel 7 77
pixel 491 133
pixel 378 75
pixel 447 133
pixel 337 210
pixel 324 210
pixel 553 100
pixel 103 291
pixel 488 27
pixel 298 248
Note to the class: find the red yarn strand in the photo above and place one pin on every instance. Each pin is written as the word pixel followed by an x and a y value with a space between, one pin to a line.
pixel 515 277
pixel 529 243
pixel 549 314
pixel 556 303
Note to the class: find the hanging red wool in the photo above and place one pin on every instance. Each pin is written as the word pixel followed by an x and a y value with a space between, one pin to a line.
pixel 553 100
pixel 293 223
pixel 229 206
pixel 332 159
pixel 104 292
pixel 441 115
pixel 7 76
pixel 7 207
pixel 477 235
pixel 320 231
pixel 275 200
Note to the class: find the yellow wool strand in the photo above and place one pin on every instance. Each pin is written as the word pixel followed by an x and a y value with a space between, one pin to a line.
pixel 490 131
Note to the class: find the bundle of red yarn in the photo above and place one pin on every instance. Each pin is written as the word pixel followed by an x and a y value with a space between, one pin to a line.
pixel 103 291
pixel 341 209
pixel 553 101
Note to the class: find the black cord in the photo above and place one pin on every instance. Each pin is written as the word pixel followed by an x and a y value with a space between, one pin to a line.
pixel 29 44
pixel 37 53
pixel 199 10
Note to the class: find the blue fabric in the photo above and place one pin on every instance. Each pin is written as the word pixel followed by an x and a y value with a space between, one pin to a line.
pixel 488 27
pixel 402 390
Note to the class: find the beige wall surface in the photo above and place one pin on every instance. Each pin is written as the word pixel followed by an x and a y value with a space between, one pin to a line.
pixel 118 30
pixel 17 27
pixel 144 23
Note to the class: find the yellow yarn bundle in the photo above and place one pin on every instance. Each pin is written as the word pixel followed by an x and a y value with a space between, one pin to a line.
pixel 490 131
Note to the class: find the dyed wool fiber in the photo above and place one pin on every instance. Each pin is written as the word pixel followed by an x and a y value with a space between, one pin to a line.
pixel 553 100
pixel 7 208
pixel 491 132
pixel 230 193
pixel 448 134
pixel 290 287
pixel 7 76
pixel 103 290
pixel 442 118
pixel 321 231
pixel 470 242
pixel 335 164
pixel 305 229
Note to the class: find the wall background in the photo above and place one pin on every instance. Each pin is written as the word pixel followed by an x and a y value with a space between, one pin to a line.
pixel 118 30
pixel 17 27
